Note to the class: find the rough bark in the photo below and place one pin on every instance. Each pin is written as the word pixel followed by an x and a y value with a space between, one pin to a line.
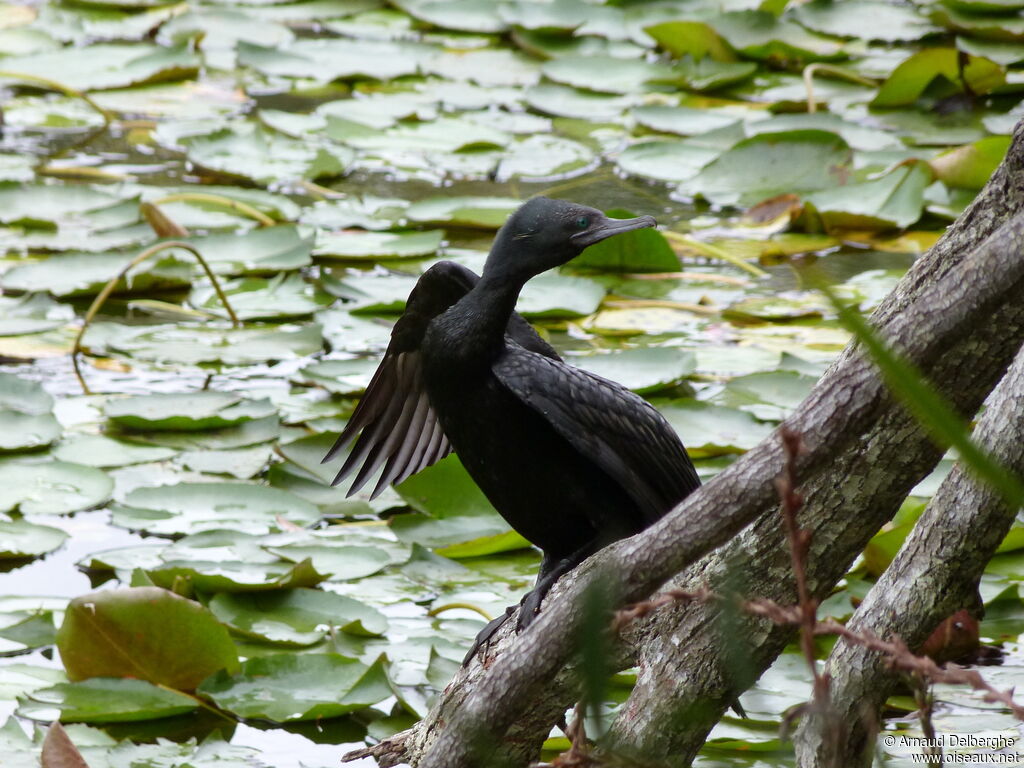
pixel 953 315
pixel 935 574
pixel 688 675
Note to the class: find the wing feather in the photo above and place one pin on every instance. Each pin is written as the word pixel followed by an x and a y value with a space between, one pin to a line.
pixel 394 426
pixel 616 429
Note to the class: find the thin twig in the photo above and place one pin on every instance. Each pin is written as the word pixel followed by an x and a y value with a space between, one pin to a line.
pixel 108 289
pixel 67 90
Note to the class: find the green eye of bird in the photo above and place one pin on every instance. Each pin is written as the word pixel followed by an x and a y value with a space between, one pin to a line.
pixel 582 222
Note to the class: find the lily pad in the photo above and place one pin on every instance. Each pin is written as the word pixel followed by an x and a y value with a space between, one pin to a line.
pixel 191 507
pixel 296 616
pixel 642 250
pixel 482 212
pixel 185 411
pixel 32 314
pixel 105 700
pixel 51 488
pixel 185 344
pixel 644 369
pixel 78 274
pixel 770 164
pixel 290 687
pixel 553 295
pixel 261 251
pixel 23 539
pixel 104 452
pixel 100 66
pixel 254 297
pixel 710 430
pixel 910 79
pixel 146 633
pixel 378 245
pixel 893 200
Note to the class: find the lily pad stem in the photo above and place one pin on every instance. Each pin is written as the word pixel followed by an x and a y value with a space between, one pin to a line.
pixel 706 249
pixel 103 295
pixel 811 69
pixel 452 606
pixel 204 197
pixel 53 85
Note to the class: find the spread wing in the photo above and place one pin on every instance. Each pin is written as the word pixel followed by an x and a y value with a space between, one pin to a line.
pixel 618 430
pixel 396 426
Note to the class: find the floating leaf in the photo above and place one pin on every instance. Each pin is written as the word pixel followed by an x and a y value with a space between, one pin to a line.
pixel 893 200
pixel 288 687
pixel 53 488
pixel 32 314
pixel 146 633
pixel 99 66
pixel 23 539
pixel 185 411
pixel 190 344
pixel 483 212
pixel 105 700
pixel 865 19
pixel 105 452
pixel 296 616
pixel 664 160
pixel 971 165
pixel 77 274
pixel 543 157
pixel 378 245
pixel 249 151
pixel 254 297
pixel 910 79
pixel 709 430
pixel 642 250
pixel 258 252
pixel 191 507
pixel 554 295
pixel 770 164
pixel 644 369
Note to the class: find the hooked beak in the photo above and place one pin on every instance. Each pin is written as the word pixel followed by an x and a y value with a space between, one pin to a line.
pixel 605 228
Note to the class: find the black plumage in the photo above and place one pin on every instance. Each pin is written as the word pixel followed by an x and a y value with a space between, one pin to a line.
pixel 572 461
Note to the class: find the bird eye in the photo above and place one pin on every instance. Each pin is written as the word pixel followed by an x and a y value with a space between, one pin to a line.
pixel 583 222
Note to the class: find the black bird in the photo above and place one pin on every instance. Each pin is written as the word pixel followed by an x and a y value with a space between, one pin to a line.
pixel 572 461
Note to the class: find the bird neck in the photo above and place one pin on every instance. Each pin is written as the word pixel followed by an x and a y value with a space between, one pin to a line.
pixel 490 303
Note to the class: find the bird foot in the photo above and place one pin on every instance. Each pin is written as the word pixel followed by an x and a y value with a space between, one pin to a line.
pixel 484 635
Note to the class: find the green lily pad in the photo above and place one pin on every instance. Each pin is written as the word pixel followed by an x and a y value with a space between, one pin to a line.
pixel 296 616
pixel 763 36
pixel 342 562
pixel 552 295
pixel 664 160
pixel 185 411
pixel 343 377
pixel 482 212
pixel 146 633
pixel 710 430
pixel 290 687
pixel 643 369
pixel 23 539
pixel 195 344
pixel 972 165
pixel 104 452
pixel 685 121
pixel 100 66
pixel 241 463
pixel 910 79
pixel 771 164
pixel 771 395
pixel 326 59
pixel 32 314
pixel 191 507
pixel 378 245
pixel 250 151
pixel 105 700
pixel 604 74
pixel 244 434
pixel 261 251
pixel 865 19
pixel 642 250
pixel 53 488
pixel 85 274
pixel 542 157
pixel 48 205
pixel 893 200
pixel 286 295
pixel 444 490
pixel 232 576
pixel 26 432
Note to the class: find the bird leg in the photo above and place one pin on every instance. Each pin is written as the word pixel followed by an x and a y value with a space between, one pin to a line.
pixel 551 569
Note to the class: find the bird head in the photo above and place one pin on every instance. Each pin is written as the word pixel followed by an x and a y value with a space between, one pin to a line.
pixel 544 233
